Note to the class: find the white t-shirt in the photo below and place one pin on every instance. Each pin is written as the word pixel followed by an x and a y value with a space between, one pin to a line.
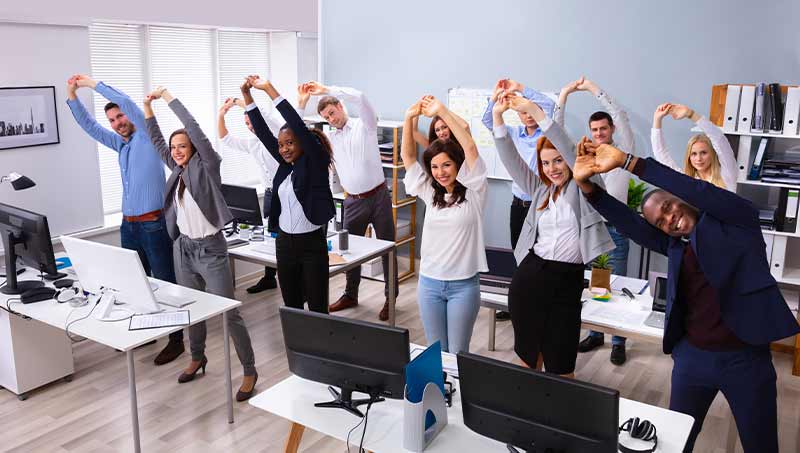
pixel 453 247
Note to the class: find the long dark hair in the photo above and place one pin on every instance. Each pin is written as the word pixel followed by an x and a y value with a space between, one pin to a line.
pixel 321 138
pixel 181 131
pixel 432 131
pixel 456 154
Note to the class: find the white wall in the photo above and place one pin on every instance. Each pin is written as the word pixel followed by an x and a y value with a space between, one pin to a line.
pixel 298 15
pixel 66 174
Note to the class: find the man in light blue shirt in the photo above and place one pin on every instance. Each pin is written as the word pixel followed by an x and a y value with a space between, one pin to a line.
pixel 524 137
pixel 143 184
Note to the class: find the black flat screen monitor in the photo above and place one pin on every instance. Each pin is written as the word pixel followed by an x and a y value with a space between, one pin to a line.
pixel 27 236
pixel 243 203
pixel 660 295
pixel 536 411
pixel 346 353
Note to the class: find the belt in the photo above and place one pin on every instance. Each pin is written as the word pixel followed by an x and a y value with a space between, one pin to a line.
pixel 151 216
pixel 520 202
pixel 369 193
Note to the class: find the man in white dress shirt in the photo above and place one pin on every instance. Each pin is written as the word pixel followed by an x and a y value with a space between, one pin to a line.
pixel 358 164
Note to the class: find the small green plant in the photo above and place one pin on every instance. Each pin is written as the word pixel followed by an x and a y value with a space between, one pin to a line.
pixel 635 194
pixel 244 227
pixel 602 262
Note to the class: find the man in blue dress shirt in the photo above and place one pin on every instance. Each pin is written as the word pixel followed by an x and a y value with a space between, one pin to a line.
pixel 143 184
pixel 524 137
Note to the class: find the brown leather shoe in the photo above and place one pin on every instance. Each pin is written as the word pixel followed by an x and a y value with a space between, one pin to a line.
pixel 169 353
pixel 343 303
pixel 384 314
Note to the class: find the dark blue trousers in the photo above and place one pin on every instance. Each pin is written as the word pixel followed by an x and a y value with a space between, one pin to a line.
pixel 746 378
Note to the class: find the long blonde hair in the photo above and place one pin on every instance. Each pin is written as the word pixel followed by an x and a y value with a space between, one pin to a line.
pixel 716 168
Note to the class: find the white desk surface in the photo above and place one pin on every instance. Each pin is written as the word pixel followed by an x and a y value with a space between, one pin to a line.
pixel 618 313
pixel 359 248
pixel 294 398
pixel 116 334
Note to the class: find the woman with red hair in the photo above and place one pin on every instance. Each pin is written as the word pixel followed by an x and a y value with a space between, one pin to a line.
pixel 561 234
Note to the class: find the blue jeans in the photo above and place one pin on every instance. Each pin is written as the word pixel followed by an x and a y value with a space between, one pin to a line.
pixel 154 246
pixel 619 264
pixel 448 310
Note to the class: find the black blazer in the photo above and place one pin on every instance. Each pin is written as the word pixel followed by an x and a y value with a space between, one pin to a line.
pixel 729 246
pixel 309 172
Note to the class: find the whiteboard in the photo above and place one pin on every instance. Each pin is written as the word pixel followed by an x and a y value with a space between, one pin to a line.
pixel 470 103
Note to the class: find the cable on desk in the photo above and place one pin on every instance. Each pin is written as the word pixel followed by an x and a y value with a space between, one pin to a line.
pixel 12 312
pixel 364 420
pixel 70 323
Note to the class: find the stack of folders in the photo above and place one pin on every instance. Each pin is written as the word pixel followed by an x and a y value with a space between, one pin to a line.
pixel 766 217
pixel 782 167
pixel 387 152
pixel 763 108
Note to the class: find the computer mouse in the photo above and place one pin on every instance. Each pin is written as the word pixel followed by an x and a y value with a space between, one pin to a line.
pixel 63 283
pixel 37 295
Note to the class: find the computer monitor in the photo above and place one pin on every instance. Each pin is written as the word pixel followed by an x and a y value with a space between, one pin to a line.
pixel 27 236
pixel 356 356
pixel 243 204
pixel 536 411
pixel 116 273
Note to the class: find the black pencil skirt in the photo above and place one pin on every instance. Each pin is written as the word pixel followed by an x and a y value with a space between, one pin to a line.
pixel 545 304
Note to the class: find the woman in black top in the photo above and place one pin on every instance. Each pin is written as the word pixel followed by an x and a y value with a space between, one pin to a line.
pixel 302 202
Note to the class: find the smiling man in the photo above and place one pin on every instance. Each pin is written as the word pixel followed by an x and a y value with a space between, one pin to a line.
pixel 143 225
pixel 723 306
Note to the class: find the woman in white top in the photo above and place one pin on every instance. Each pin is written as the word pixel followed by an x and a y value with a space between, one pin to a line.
pixel 709 156
pixel 453 186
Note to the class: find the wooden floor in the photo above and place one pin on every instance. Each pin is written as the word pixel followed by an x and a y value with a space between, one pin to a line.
pixel 91 413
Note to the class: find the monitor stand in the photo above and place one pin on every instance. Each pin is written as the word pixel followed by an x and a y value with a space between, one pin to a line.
pixel 344 400
pixel 106 311
pixel 12 285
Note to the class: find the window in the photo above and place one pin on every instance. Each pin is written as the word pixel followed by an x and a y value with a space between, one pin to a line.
pixel 201 66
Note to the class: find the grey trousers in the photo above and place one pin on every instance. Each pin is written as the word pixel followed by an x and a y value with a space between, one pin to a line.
pixel 358 213
pixel 203 264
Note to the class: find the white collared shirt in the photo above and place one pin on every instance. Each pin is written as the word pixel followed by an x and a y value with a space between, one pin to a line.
pixel 355 146
pixel 292 219
pixel 253 146
pixel 558 233
pixel 190 218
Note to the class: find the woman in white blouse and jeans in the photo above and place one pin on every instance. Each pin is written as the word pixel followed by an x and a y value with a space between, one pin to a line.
pixel 709 155
pixel 453 186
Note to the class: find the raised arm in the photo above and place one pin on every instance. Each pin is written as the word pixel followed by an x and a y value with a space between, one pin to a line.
pixel 125 103
pixel 561 105
pixel 622 125
pixel 552 130
pixel 660 150
pixel 420 138
pixel 727 161
pixel 352 96
pixel 155 134
pixel 432 107
pixel 222 128
pixel 517 168
pixel 87 122
pixel 408 146
pixel 202 145
pixel 309 143
pixel 260 127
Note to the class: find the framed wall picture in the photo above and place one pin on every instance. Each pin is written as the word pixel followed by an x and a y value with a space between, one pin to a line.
pixel 28 117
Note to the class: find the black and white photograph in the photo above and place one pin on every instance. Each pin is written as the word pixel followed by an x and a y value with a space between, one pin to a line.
pixel 27 117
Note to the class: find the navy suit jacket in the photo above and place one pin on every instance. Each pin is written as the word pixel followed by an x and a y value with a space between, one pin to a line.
pixel 729 246
pixel 309 172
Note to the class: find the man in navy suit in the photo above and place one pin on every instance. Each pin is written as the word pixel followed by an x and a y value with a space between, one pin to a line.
pixel 723 306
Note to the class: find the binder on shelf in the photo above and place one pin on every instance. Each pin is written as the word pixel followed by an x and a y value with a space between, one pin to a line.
pixel 755 170
pixel 776 106
pixel 759 109
pixel 791 114
pixel 746 108
pixel 790 218
pixel 731 108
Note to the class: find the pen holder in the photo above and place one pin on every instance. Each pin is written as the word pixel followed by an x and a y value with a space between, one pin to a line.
pixel 415 437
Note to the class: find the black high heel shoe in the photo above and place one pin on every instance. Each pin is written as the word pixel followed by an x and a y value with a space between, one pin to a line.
pixel 186 377
pixel 244 396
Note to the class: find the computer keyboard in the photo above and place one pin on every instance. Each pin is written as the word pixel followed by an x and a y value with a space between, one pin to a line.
pixel 172 301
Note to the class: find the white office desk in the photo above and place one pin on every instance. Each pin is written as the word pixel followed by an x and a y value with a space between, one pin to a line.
pixel 361 249
pixel 619 316
pixel 294 398
pixel 113 334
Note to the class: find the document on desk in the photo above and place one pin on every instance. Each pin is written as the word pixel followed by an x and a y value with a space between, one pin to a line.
pixel 634 284
pixel 158 320
pixel 617 317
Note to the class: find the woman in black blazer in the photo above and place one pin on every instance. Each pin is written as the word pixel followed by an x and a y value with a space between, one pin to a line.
pixel 302 202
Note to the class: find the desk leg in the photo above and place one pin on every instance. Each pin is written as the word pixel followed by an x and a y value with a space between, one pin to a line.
pixel 227 348
pixel 295 436
pixel 392 285
pixel 134 405
pixel 492 327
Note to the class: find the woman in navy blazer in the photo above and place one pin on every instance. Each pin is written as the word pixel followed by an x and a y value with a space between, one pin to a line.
pixel 723 306
pixel 302 202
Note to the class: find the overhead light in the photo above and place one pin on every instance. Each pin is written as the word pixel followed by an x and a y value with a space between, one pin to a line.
pixel 18 181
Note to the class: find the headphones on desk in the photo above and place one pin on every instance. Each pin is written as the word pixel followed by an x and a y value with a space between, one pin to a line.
pixel 639 429
pixel 72 294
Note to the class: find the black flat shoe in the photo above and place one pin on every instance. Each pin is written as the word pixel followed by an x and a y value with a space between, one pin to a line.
pixel 186 377
pixel 618 356
pixel 591 342
pixel 244 396
pixel 263 285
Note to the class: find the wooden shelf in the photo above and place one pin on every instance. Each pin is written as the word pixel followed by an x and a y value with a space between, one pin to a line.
pixel 405 202
pixel 791 276
pixel 392 166
pixel 768 184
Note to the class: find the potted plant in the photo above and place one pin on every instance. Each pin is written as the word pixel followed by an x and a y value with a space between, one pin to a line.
pixel 601 272
pixel 245 232
pixel 635 194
